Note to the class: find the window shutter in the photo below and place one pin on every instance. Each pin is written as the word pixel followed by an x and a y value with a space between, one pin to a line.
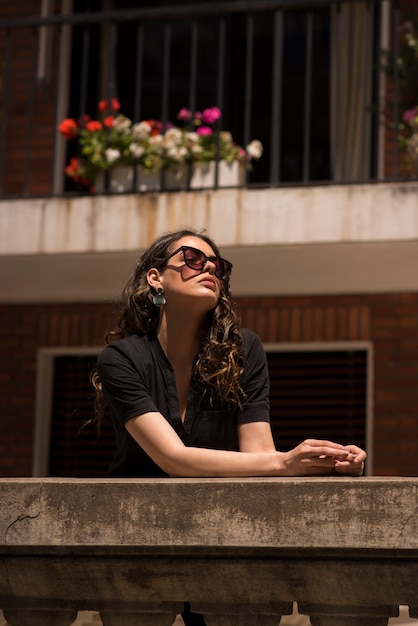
pixel 76 451
pixel 318 394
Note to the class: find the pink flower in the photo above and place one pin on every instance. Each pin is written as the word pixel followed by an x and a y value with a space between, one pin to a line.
pixel 204 130
pixel 410 114
pixel 211 115
pixel 184 114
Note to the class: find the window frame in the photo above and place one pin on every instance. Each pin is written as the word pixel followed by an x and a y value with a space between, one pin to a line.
pixel 44 400
pixel 329 346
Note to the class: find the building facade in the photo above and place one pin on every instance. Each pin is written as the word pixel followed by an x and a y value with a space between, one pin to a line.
pixel 324 245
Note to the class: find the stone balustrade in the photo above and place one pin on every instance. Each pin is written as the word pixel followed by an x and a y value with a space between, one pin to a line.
pixel 241 551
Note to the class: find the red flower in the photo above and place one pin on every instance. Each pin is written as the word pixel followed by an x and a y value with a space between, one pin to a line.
pixel 83 119
pixel 108 121
pixel 156 127
pixel 114 105
pixel 68 128
pixel 72 169
pixel 93 126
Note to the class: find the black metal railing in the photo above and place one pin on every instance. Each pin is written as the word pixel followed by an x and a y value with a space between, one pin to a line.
pixel 288 73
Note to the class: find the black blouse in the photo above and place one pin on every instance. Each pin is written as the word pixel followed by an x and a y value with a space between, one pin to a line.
pixel 137 378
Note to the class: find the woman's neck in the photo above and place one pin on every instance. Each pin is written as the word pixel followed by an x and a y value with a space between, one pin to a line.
pixel 180 339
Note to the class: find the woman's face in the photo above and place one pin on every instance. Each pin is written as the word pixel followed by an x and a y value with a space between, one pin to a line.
pixel 191 277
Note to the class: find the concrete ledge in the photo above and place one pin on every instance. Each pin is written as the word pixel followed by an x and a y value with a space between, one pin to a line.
pixel 366 514
pixel 320 239
pixel 344 549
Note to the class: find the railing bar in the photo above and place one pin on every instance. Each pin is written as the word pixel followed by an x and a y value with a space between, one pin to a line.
pixel 62 91
pixel 110 85
pixel 84 70
pixel 174 12
pixel 165 85
pixel 276 99
pixel 84 78
pixel 367 90
pixel 249 67
pixel 194 38
pixel 248 78
pixel 111 82
pixel 139 71
pixel 5 104
pixel 60 38
pixel 166 73
pixel 220 86
pixel 31 104
pixel 395 147
pixel 336 85
pixel 308 98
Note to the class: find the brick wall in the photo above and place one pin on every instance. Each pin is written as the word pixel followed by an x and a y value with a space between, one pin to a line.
pixel 390 322
pixel 30 118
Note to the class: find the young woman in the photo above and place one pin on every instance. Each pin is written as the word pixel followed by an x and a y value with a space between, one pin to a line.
pixel 188 388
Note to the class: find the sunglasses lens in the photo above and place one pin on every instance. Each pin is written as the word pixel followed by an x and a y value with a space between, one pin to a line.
pixel 223 269
pixel 194 258
pixel 220 268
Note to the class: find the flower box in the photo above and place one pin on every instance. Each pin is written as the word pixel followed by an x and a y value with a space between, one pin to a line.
pixel 128 179
pixel 151 155
pixel 176 178
pixel 229 175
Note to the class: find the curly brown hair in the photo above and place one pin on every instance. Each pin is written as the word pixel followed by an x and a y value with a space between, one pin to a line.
pixel 219 363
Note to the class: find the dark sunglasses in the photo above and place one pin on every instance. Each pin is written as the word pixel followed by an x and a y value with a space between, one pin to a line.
pixel 196 260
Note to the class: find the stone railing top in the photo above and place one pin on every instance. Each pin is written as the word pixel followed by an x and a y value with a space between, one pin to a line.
pixel 245 516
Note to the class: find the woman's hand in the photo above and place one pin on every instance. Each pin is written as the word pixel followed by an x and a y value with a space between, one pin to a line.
pixel 315 457
pixel 353 465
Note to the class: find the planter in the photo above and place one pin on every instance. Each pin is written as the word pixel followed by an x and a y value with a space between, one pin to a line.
pixel 229 175
pixel 176 178
pixel 122 180
pixel 127 179
pixel 147 181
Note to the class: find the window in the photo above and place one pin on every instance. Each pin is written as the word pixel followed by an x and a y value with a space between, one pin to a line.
pixel 320 392
pixel 64 446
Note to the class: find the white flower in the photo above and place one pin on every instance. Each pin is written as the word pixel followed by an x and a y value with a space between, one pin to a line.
pixel 177 154
pixel 136 150
pixel 191 137
pixel 173 135
pixel 255 149
pixel 156 140
pixel 142 130
pixel 122 123
pixel 112 155
pixel 156 143
pixel 226 136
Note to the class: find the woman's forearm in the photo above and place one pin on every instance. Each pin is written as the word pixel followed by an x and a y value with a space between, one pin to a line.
pixel 313 457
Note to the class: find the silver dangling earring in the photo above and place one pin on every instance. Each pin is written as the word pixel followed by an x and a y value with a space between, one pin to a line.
pixel 158 298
